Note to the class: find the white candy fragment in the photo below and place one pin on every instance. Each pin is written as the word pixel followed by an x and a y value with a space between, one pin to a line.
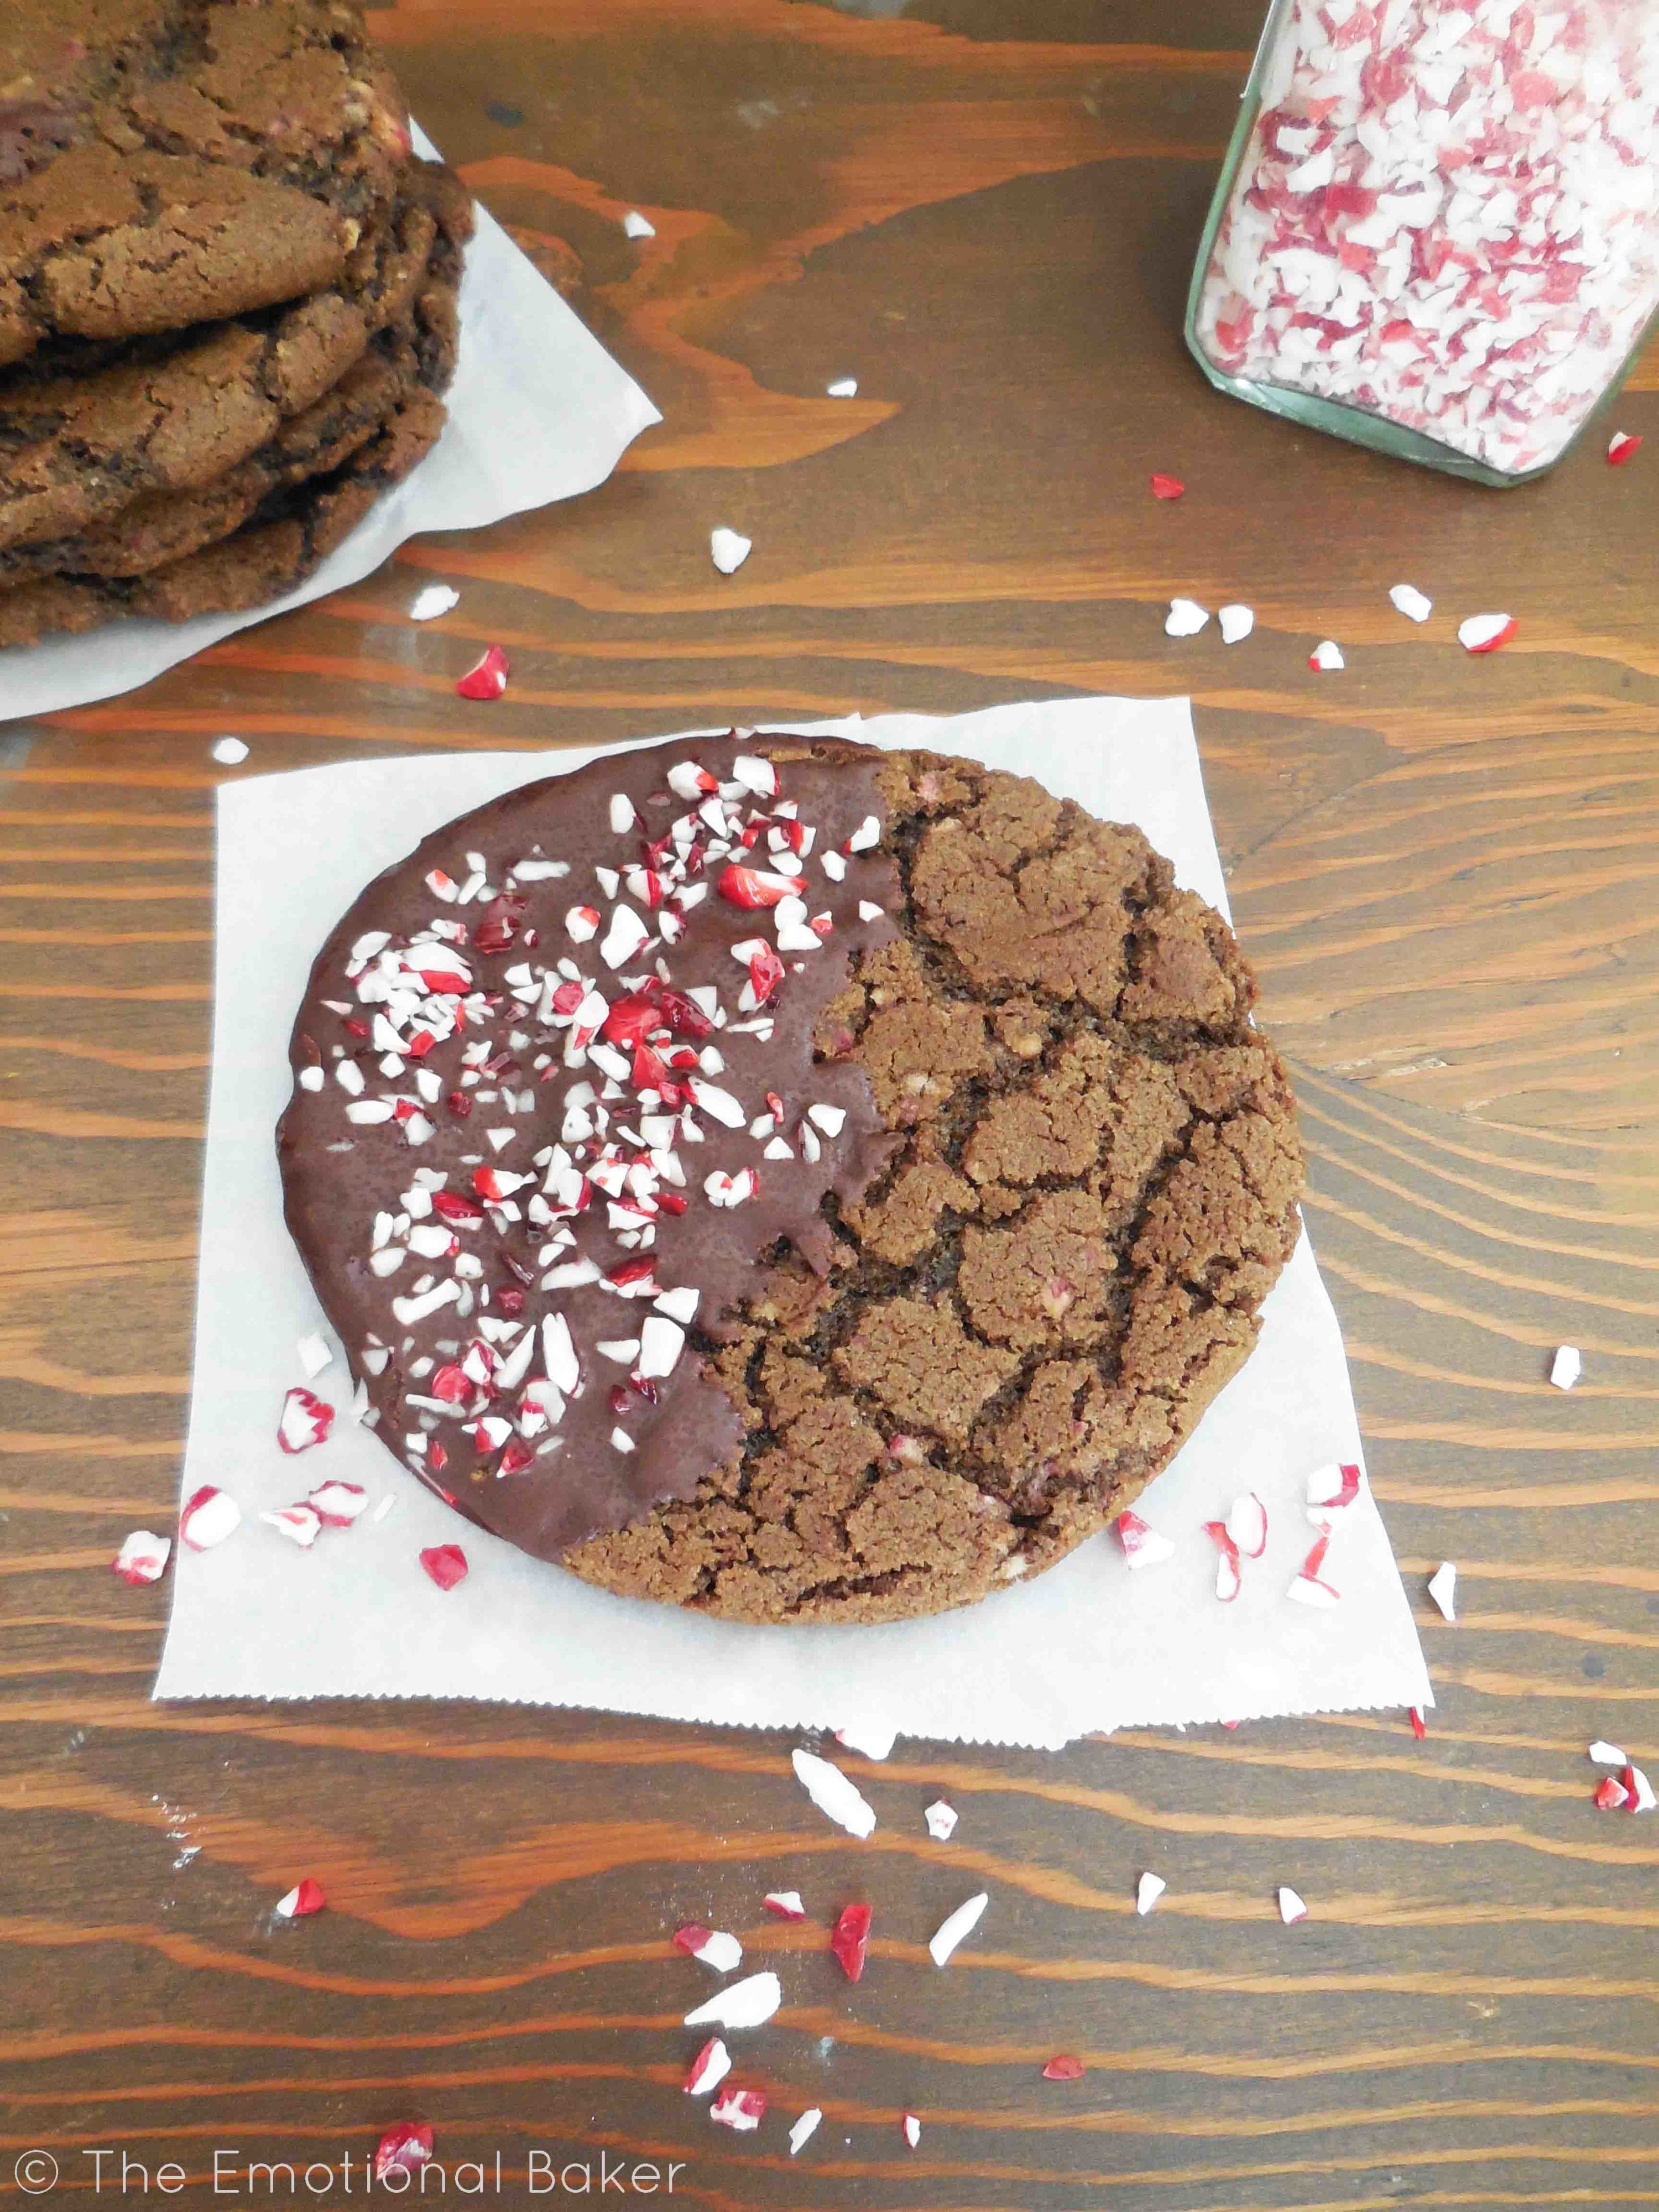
pixel 622 817
pixel 873 1738
pixel 1327 656
pixel 635 226
pixel 912 2127
pixel 728 550
pixel 721 1951
pixel 957 1927
pixel 1442 1589
pixel 844 387
pixel 1148 1890
pixel 1290 1907
pixel 1645 1800
pixel 1236 622
pixel 749 2003
pixel 314 1355
pixel 1247 1524
pixel 1607 1754
pixel 1185 618
pixel 230 752
pixel 941 1820
pixel 300 1524
pixel 786 1903
pixel 661 1341
pixel 433 600
pixel 804 2130
pixel 1566 1367
pixel 1484 633
pixel 1411 602
pixel 208 1517
pixel 833 1794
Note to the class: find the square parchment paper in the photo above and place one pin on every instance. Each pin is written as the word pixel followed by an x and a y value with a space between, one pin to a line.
pixel 1086 1646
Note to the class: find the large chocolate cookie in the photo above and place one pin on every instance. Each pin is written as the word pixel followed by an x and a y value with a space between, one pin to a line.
pixel 166 161
pixel 838 1256
pixel 79 443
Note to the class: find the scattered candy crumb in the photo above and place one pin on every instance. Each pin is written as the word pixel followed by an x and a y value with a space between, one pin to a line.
pixel 302 1902
pixel 728 549
pixel 957 1927
pixel 445 1564
pixel 833 1794
pixel 1310 1587
pixel 403 2150
pixel 314 1355
pixel 305 1421
pixel 1247 1524
pixel 804 2130
pixel 1164 487
pixel 912 2128
pixel 1229 1579
pixel 786 1903
pixel 1290 1907
pixel 1063 2067
pixel 849 1939
pixel 1411 603
pixel 873 1738
pixel 1603 1753
pixel 1143 1547
pixel 708 2069
pixel 748 2003
pixel 1420 1726
pixel 1485 633
pixel 1442 1589
pixel 1566 1367
pixel 433 600
pixel 1326 657
pixel 844 387
pixel 635 226
pixel 230 752
pixel 1331 1490
pixel 941 1820
pixel 1622 447
pixel 1236 622
pixel 143 1557
pixel 1148 1890
pixel 713 1947
pixel 486 678
pixel 741 2110
pixel 1185 618
pixel 210 1516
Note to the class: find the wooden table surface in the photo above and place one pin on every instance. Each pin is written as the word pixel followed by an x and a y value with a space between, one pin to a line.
pixel 1443 867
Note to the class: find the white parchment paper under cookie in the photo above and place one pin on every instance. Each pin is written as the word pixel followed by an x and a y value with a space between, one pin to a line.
pixel 538 411
pixel 1086 1646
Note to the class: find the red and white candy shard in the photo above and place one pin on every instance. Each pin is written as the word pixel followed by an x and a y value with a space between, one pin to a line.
pixel 404 2148
pixel 804 2130
pixel 749 2003
pixel 1566 1367
pixel 1326 657
pixel 875 1739
pixel 1290 1907
pixel 941 1820
pixel 1411 603
pixel 1143 1547
pixel 1442 1589
pixel 1063 2067
pixel 712 1946
pixel 1310 1587
pixel 1485 633
pixel 1420 1726
pixel 728 549
pixel 445 1564
pixel 849 1939
pixel 1622 447
pixel 143 1557
pixel 708 2069
pixel 1229 1579
pixel 786 1903
pixel 300 1524
pixel 1236 622
pixel 1164 487
pixel 833 1794
pixel 1444 219
pixel 337 1504
pixel 302 1902
pixel 1331 1489
pixel 957 1928
pixel 742 2110
pixel 1639 1789
pixel 486 678
pixel 1185 618
pixel 1247 1524
pixel 305 1420
pixel 1604 1753
pixel 1612 1797
pixel 912 2128
pixel 1148 1890
pixel 210 1516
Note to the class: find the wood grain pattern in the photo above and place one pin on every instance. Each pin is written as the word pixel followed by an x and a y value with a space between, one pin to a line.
pixel 1443 867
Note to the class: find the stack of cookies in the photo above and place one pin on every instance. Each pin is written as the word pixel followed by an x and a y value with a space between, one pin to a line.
pixel 228 301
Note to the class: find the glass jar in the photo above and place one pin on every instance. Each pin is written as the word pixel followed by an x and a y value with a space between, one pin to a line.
pixel 1436 231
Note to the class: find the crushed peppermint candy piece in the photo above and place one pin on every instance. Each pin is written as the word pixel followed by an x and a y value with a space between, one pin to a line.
pixel 231 752
pixel 728 549
pixel 785 1903
pixel 1309 1587
pixel 1247 1524
pixel 433 600
pixel 302 1902
pixel 306 1419
pixel 1063 2067
pixel 1229 1576
pixel 910 2126
pixel 749 2003
pixel 1612 1797
pixel 849 1939
pixel 741 2110
pixel 875 1739
pixel 1185 618
pixel 1331 1489
pixel 1638 1790
pixel 143 1557
pixel 956 1926
pixel 941 1820
pixel 314 1355
pixel 1442 1589
pixel 1419 1725
pixel 1164 487
pixel 1290 1907
pixel 634 225
pixel 708 2069
pixel 713 1947
pixel 1236 622
pixel 403 2150
pixel 337 1504
pixel 833 1794
pixel 1622 447
pixel 300 1524
pixel 1148 1890
pixel 1142 1545
pixel 1604 1753
pixel 1566 1367
pixel 486 678
pixel 804 2130
pixel 1411 603
pixel 445 1564
pixel 1485 633
pixel 1326 657
pixel 210 1516
pixel 844 387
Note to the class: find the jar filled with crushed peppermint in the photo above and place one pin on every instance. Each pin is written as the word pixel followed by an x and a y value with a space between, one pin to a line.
pixel 1437 232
